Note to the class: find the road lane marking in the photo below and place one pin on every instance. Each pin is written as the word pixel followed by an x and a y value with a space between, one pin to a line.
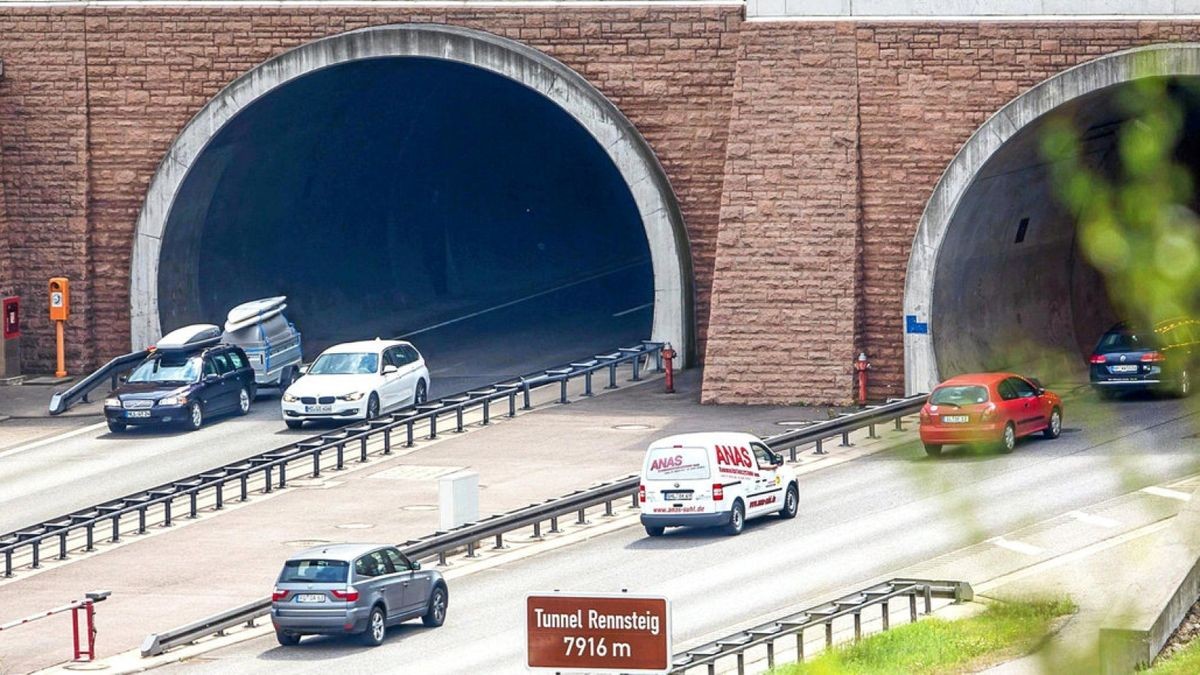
pixel 631 310
pixel 52 439
pixel 1092 519
pixel 518 301
pixel 1015 546
pixel 1166 492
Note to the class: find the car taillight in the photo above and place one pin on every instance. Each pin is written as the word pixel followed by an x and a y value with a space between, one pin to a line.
pixel 926 418
pixel 642 494
pixel 1153 357
pixel 349 595
pixel 1098 359
pixel 718 492
pixel 989 413
pixel 277 595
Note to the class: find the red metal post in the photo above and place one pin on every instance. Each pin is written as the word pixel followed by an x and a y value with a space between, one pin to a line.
pixel 85 645
pixel 861 365
pixel 75 630
pixel 668 355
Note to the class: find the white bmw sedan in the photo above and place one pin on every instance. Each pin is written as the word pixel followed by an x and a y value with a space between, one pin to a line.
pixel 357 380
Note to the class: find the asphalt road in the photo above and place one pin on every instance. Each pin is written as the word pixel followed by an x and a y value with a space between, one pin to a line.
pixel 84 469
pixel 858 520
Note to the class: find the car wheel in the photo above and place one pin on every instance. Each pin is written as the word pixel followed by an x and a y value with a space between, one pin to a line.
pixel 791 503
pixel 195 418
pixel 376 628
pixel 1008 439
pixel 933 450
pixel 421 394
pixel 373 407
pixel 294 424
pixel 436 614
pixel 286 639
pixel 737 519
pixel 653 531
pixel 116 427
pixel 1054 427
pixel 1183 388
pixel 244 397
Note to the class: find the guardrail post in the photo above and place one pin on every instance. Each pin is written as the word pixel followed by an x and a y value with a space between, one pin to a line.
pixel 637 368
pixel 820 449
pixel 341 456
pixel 62 546
pixel 433 426
pixel 582 517
pixel 512 403
pixel 857 626
pixel 409 430
pixel 771 654
pixel 316 472
pixel 282 475
pixel 554 525
pixel 8 563
pixel 142 517
pixel 37 554
pixel 245 487
pixel 116 529
pixel 587 383
pixel 362 449
pixel 899 424
pixel 792 452
pixel 267 480
pixel 387 441
pixel 884 617
pixel 441 558
pixel 537 530
pixel 471 549
pixel 928 599
pixel 612 375
pixel 608 508
pixel 499 543
pixel 845 440
pixel 871 431
pixel 458 412
pixel 912 606
pixel 658 358
pixel 800 645
pixel 192 506
pixel 487 404
pixel 525 389
pixel 829 634
pixel 741 659
pixel 91 531
pixel 562 391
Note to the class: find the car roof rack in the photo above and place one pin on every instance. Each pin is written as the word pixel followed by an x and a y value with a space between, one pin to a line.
pixel 189 338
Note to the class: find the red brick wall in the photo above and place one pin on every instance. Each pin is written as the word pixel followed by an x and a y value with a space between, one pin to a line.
pixel 785 284
pixel 43 173
pixel 802 154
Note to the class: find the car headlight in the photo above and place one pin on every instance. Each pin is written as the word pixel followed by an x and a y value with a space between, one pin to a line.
pixel 352 397
pixel 112 403
pixel 288 398
pixel 174 400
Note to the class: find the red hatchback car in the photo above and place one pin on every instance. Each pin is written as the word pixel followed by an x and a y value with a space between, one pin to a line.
pixel 988 408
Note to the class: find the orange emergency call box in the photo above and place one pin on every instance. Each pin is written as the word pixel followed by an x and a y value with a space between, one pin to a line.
pixel 60 299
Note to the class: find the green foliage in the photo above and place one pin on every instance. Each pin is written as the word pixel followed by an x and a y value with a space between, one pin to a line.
pixel 1183 662
pixel 938 646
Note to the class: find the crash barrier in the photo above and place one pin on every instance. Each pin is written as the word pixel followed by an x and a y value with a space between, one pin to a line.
pixel 467 538
pixel 918 592
pixel 62 401
pixel 470 537
pixel 83 622
pixel 270 469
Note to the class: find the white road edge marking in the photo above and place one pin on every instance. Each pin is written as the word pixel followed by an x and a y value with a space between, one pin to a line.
pixel 52 439
pixel 631 310
pixel 1166 492
pixel 1092 519
pixel 1016 546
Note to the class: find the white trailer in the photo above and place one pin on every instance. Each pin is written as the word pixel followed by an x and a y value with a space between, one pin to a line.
pixel 270 341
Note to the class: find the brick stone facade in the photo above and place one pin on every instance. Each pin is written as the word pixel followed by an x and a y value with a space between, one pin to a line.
pixel 801 153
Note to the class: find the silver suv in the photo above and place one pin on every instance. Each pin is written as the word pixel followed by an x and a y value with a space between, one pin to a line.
pixel 354 589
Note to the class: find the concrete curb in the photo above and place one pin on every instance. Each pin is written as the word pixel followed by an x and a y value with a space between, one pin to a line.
pixel 1164 598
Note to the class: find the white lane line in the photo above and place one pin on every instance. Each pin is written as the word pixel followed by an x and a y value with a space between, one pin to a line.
pixel 518 301
pixel 631 310
pixel 1165 492
pixel 1092 519
pixel 52 439
pixel 1016 546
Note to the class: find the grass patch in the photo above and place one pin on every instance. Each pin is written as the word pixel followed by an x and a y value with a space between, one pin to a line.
pixel 1002 630
pixel 1186 661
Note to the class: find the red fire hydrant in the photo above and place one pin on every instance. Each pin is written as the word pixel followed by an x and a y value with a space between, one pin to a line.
pixel 861 365
pixel 668 355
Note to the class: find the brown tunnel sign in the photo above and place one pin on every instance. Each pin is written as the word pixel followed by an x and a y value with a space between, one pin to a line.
pixel 618 633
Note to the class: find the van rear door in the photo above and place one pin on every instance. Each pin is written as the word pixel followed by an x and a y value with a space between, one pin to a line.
pixel 677 477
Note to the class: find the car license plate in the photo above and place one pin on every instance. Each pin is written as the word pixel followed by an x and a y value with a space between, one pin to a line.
pixel 137 413
pixel 955 419
pixel 310 597
pixel 1124 369
pixel 676 496
pixel 318 408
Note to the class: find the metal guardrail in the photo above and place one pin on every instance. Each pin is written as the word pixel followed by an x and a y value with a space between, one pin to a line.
pixel 437 545
pixel 469 537
pixel 272 466
pixel 853 605
pixel 60 402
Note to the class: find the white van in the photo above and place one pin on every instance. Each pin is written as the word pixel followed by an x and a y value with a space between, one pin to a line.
pixel 714 479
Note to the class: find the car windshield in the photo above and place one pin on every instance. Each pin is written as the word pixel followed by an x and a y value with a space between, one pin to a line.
pixel 959 395
pixel 314 571
pixel 1126 342
pixel 164 369
pixel 351 363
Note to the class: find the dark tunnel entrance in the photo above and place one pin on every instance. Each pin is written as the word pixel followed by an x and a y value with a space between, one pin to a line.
pixel 414 197
pixel 1011 288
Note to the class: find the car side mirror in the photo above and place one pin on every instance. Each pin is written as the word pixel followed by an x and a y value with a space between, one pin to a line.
pixel 389 369
pixel 416 565
pixel 777 458
pixel 1041 390
pixel 123 379
pixel 210 378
